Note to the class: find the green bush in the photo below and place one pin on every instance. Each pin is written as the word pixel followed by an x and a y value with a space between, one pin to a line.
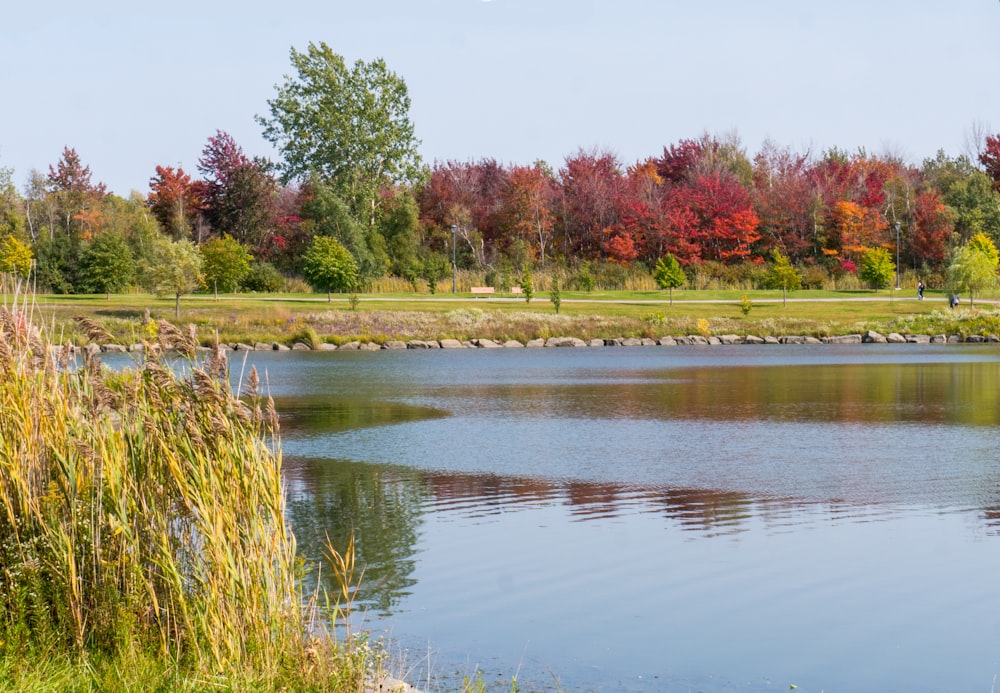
pixel 263 278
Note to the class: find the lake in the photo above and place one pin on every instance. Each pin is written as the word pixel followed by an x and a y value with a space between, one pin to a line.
pixel 742 518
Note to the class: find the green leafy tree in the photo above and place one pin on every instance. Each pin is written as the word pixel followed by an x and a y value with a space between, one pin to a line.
pixel 56 263
pixel 668 274
pixel 975 205
pixel 172 268
pixel 106 265
pixel 348 125
pixel 399 225
pixel 15 256
pixel 981 244
pixel 433 268
pixel 225 263
pixel 877 268
pixel 328 214
pixel 329 266
pixel 555 295
pixel 526 284
pixel 12 220
pixel 781 274
pixel 973 267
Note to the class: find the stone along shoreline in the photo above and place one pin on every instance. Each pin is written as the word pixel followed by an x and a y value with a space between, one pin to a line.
pixel 868 337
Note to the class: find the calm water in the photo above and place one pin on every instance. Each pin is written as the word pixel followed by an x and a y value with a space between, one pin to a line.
pixel 661 519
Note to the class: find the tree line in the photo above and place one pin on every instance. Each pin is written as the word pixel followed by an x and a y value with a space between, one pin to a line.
pixel 350 201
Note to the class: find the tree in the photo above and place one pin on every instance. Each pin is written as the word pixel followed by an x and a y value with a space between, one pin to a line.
pixel 174 200
pixel 173 268
pixel 976 206
pixel 668 274
pixel 239 192
pixel 990 159
pixel 433 268
pixel 77 198
pixel 528 207
pixel 527 285
pixel 326 213
pixel 981 244
pixel 781 273
pixel 329 266
pixel 877 267
pixel 12 218
pixel 399 224
pixel 106 265
pixel 973 267
pixel 15 256
pixel 349 126
pixel 225 263
pixel 555 295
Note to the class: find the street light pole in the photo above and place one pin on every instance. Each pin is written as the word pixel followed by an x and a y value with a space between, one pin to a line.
pixel 454 257
pixel 897 256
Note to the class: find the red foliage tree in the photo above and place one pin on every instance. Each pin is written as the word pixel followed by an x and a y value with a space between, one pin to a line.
pixel 990 159
pixel 592 185
pixel 786 201
pixel 239 193
pixel 528 208
pixel 175 200
pixel 77 198
pixel 928 241
pixel 727 223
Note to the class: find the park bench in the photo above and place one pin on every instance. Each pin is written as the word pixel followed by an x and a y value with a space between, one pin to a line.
pixel 515 290
pixel 478 291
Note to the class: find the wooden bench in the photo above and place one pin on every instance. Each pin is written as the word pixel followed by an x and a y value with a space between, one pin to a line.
pixel 516 290
pixel 478 291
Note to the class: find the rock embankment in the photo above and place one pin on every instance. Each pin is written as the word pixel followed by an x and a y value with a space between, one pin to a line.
pixel 869 337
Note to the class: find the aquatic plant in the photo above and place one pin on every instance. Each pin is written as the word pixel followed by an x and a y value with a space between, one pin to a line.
pixel 143 526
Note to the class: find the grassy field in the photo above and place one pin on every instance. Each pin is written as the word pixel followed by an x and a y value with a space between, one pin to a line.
pixel 310 318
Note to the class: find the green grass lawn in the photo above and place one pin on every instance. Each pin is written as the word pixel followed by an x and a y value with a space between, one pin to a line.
pixel 380 317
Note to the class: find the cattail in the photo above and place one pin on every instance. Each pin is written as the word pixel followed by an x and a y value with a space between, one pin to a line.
pixel 253 381
pixel 94 330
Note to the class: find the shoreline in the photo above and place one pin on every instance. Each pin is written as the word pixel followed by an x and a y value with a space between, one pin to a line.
pixel 867 337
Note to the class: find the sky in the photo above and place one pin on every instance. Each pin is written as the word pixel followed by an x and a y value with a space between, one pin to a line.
pixel 132 85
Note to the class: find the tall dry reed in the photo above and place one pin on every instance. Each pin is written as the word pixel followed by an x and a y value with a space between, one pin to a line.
pixel 143 510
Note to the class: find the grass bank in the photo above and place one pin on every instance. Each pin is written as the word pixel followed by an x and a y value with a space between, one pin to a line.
pixel 379 318
pixel 143 534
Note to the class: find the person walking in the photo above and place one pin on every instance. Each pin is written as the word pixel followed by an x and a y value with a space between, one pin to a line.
pixel 920 291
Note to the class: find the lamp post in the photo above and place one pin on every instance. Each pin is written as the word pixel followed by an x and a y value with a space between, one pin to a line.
pixel 897 256
pixel 454 263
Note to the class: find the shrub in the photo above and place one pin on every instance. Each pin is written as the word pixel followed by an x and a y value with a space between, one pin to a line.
pixel 263 277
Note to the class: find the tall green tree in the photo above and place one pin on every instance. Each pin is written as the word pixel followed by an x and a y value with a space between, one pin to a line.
pixel 399 224
pixel 329 266
pixel 224 263
pixel 106 265
pixel 12 207
pixel 976 206
pixel 668 274
pixel 326 213
pixel 173 268
pixel 350 126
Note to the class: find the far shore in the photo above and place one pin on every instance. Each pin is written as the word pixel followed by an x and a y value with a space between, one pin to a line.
pixel 604 319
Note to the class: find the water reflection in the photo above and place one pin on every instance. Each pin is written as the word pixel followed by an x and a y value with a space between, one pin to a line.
pixel 738 521
pixel 384 507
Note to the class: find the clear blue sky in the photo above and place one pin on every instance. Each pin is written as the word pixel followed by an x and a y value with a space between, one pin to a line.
pixel 131 85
